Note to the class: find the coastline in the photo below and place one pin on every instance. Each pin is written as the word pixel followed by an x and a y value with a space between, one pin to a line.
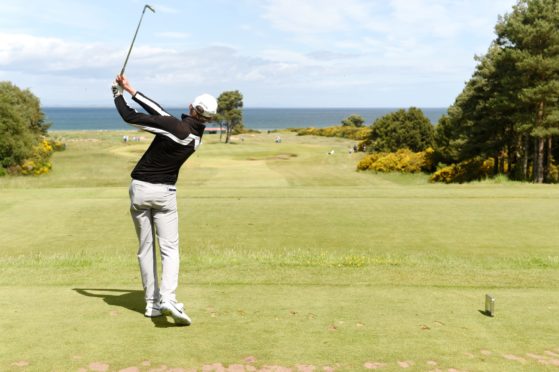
pixel 262 119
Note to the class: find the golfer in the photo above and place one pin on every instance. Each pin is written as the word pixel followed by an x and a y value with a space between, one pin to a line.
pixel 153 192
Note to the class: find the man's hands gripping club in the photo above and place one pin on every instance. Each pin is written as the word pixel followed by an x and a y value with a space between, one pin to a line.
pixel 120 84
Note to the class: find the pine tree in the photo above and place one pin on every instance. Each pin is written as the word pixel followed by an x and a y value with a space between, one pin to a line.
pixel 529 36
pixel 509 109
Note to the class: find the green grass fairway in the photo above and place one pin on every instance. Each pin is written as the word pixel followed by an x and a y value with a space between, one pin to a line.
pixel 291 261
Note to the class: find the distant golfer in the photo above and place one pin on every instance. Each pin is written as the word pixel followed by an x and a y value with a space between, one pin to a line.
pixel 153 192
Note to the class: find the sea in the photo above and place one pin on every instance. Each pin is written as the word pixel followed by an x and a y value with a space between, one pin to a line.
pixel 76 118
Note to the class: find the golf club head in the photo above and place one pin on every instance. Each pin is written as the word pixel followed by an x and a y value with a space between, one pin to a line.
pixel 150 8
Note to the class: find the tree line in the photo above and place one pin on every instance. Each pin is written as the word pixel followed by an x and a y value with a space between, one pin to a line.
pixel 509 110
pixel 505 120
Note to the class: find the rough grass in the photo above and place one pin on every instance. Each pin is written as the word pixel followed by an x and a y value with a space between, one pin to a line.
pixel 290 259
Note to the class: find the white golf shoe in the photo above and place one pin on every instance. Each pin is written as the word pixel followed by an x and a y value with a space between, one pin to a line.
pixel 152 310
pixel 176 311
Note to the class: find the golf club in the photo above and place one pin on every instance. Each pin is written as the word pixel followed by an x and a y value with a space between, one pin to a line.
pixel 135 34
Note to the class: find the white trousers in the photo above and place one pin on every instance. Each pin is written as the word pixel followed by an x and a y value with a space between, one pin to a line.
pixel 154 211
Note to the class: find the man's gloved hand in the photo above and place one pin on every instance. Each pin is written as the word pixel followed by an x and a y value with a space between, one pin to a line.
pixel 116 89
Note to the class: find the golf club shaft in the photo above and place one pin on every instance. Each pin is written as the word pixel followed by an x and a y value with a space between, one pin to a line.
pixel 134 39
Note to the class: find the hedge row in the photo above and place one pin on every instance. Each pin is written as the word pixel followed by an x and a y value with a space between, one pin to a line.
pixel 354 133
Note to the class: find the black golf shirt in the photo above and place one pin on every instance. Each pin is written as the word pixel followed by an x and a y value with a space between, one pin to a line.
pixel 175 140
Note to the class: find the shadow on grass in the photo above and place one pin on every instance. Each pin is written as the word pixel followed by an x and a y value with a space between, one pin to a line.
pixel 132 300
pixel 486 313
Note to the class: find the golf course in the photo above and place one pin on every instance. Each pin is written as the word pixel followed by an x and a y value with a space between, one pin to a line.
pixel 291 260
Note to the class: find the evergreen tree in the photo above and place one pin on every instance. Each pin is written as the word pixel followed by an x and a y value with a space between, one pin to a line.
pixel 480 121
pixel 409 129
pixel 509 109
pixel 530 37
pixel 447 141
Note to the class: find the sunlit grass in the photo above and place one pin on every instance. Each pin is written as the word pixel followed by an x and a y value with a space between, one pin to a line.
pixel 289 257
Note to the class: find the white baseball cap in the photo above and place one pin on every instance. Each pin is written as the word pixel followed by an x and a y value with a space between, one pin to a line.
pixel 205 105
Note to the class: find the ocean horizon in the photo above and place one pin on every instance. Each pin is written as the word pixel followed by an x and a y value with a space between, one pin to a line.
pixel 107 118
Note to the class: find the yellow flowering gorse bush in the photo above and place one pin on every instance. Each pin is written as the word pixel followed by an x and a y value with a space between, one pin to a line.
pixel 403 160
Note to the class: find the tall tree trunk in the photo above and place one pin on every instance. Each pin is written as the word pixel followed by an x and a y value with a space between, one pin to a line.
pixel 220 130
pixel 539 146
pixel 535 163
pixel 228 133
pixel 525 152
pixel 549 152
pixel 538 161
pixel 548 159
pixel 511 158
pixel 516 158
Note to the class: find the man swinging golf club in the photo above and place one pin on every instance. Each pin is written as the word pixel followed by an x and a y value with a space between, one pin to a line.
pixel 153 192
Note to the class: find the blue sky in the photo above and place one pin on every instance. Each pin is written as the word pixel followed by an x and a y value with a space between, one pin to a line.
pixel 278 53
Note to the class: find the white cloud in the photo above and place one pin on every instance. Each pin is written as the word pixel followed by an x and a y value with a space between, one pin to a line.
pixel 436 37
pixel 43 55
pixel 34 55
pixel 27 52
pixel 327 47
pixel 221 67
pixel 407 23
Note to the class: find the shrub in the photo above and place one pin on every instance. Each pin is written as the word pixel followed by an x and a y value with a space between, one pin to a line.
pixel 26 105
pixel 475 169
pixel 57 145
pixel 353 121
pixel 38 163
pixel 403 160
pixel 401 129
pixel 351 132
pixel 24 149
pixel 367 162
pixel 16 140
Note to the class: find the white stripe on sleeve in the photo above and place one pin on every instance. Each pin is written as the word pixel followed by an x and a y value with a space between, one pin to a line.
pixel 151 104
pixel 184 142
